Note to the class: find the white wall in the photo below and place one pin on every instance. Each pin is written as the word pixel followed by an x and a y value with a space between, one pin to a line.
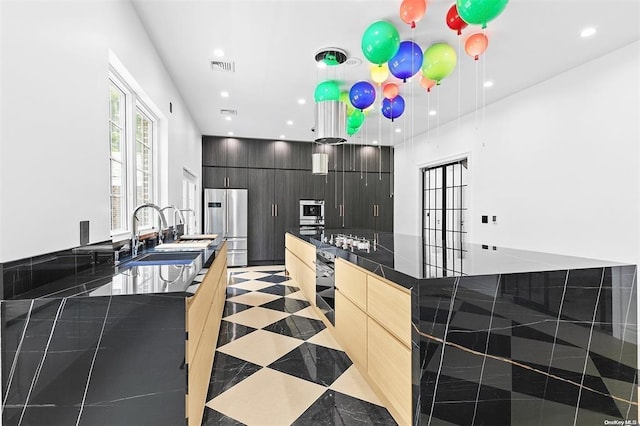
pixel 557 163
pixel 54 168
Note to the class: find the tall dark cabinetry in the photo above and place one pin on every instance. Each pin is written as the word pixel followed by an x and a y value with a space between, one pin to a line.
pixel 278 174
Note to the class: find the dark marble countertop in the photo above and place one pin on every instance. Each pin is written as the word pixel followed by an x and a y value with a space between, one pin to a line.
pixel 399 257
pixel 126 278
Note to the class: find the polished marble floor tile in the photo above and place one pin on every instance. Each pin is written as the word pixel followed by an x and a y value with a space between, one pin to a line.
pixel 231 308
pixel 257 317
pixel 325 338
pixel 353 384
pixel 267 397
pixel 308 313
pixel 335 408
pixel 251 285
pixel 233 280
pixel 254 298
pixel 285 304
pixel 232 291
pixel 280 290
pixel 298 327
pixel 192 288
pixel 261 347
pixel 252 275
pixel 276 279
pixel 230 331
pixel 314 363
pixel 297 295
pixel 212 417
pixel 227 372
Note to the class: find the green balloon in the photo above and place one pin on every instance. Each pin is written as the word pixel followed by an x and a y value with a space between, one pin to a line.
pixel 380 42
pixel 352 131
pixel 327 91
pixel 356 119
pixel 439 61
pixel 344 98
pixel 479 12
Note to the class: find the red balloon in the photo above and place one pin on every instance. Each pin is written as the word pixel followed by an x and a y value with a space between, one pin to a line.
pixel 390 90
pixel 454 21
pixel 411 11
pixel 476 44
pixel 427 83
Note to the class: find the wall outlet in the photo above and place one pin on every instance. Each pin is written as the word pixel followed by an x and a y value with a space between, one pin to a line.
pixel 494 219
pixel 485 219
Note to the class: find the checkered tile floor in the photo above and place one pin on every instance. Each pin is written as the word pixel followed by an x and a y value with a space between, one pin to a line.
pixel 277 364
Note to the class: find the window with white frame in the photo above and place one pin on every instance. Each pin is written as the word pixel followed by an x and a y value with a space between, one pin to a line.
pixel 132 141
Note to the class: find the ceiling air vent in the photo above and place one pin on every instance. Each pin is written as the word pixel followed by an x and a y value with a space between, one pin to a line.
pixel 225 66
pixel 229 111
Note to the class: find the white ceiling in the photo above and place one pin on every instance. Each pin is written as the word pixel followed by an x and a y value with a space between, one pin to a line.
pixel 273 44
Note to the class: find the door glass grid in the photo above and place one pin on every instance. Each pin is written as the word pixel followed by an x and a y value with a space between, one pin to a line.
pixel 444 210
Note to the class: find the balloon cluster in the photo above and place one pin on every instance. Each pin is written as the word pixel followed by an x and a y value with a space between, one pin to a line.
pixel 381 45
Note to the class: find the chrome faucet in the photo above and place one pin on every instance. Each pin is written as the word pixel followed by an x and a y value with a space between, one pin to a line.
pixel 176 213
pixel 186 225
pixel 134 230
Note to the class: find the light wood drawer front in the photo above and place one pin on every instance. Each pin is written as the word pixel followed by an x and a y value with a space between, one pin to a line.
pixel 288 240
pixel 352 282
pixel 307 282
pixel 290 264
pixel 351 328
pixel 389 365
pixel 391 307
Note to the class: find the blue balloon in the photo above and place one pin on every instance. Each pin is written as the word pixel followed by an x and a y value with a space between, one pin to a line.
pixel 407 62
pixel 362 95
pixel 393 108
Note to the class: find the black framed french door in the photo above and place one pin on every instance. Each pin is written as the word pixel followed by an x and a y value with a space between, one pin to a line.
pixel 444 190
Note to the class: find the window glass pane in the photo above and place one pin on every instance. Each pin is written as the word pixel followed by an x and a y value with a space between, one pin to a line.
pixel 117 105
pixel 116 137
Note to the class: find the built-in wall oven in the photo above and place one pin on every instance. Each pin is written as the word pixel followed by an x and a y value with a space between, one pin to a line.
pixel 312 214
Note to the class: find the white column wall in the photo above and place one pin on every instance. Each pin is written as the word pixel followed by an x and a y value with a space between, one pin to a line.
pixel 557 164
pixel 54 163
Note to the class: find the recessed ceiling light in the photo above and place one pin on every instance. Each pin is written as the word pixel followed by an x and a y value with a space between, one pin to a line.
pixel 488 83
pixel 290 123
pixel 282 136
pixel 432 112
pixel 224 94
pixel 227 118
pixel 301 101
pixel 587 32
pixel 375 142
pixel 321 64
pixel 398 130
pixel 218 53
pixel 230 133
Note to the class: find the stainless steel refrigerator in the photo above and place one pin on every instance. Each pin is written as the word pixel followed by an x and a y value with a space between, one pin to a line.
pixel 226 214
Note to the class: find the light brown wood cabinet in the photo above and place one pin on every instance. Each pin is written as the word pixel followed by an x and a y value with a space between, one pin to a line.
pixel 203 315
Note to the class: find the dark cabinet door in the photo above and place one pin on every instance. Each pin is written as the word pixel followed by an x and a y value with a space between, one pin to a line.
pixel 237 177
pixel 214 177
pixel 293 155
pixel 384 201
pixel 214 151
pixel 260 153
pixel 352 189
pixel 237 152
pixel 288 191
pixel 386 158
pixel 333 200
pixel 261 214
pixel 365 213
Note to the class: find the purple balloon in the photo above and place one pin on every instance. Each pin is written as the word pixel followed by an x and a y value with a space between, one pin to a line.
pixel 393 108
pixel 362 95
pixel 407 61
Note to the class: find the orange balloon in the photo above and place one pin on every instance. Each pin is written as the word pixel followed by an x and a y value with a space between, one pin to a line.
pixel 411 11
pixel 476 44
pixel 427 83
pixel 390 90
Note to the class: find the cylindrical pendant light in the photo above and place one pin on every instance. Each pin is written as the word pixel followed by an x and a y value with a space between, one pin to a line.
pixel 331 122
pixel 320 163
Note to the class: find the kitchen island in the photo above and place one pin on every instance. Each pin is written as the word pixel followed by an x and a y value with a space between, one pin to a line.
pixel 124 344
pixel 510 337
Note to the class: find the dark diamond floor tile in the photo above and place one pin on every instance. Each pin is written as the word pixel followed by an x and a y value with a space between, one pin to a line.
pixel 315 363
pixel 280 290
pixel 335 408
pixel 230 331
pixel 231 308
pixel 214 418
pixel 232 291
pixel 275 279
pixel 612 369
pixel 286 304
pixel 227 372
pixel 298 327
pixel 236 280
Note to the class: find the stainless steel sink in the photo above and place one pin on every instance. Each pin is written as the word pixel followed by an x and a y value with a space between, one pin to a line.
pixel 167 258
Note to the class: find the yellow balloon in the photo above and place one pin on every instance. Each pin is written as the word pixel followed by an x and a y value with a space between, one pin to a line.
pixel 379 73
